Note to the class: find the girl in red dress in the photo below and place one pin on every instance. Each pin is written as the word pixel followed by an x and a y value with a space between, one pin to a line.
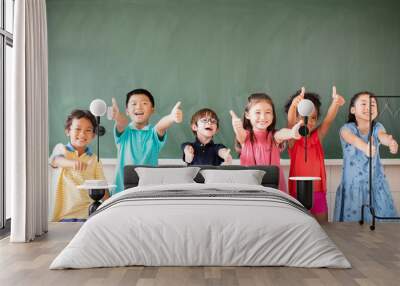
pixel 314 166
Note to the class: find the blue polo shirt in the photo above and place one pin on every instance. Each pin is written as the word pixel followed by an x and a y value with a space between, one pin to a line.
pixel 204 154
pixel 136 147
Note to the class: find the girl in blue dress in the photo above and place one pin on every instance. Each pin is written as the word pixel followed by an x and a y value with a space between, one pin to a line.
pixel 353 191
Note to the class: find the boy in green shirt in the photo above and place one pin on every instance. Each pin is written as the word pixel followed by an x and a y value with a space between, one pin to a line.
pixel 139 142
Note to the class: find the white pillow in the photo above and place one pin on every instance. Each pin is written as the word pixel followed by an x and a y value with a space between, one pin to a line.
pixel 249 177
pixel 164 176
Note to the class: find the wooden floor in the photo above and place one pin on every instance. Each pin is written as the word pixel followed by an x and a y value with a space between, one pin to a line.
pixel 374 255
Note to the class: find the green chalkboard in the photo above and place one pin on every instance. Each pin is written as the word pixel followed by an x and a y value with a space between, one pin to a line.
pixel 214 53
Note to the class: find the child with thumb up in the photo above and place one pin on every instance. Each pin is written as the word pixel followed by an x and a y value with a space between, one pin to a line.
pixel 203 151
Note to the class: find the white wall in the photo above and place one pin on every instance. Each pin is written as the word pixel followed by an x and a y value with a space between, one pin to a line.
pixel 333 172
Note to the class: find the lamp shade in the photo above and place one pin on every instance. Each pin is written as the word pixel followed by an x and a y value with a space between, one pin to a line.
pixel 98 107
pixel 305 107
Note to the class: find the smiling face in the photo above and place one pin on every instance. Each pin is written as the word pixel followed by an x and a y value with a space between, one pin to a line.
pixel 81 133
pixel 260 115
pixel 360 109
pixel 205 127
pixel 139 109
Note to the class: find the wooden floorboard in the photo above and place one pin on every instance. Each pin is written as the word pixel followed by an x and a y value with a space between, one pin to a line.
pixel 374 255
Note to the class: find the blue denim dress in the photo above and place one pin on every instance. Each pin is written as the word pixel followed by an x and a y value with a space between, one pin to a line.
pixel 353 190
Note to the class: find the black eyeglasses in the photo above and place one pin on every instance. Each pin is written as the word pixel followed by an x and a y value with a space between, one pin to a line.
pixel 208 120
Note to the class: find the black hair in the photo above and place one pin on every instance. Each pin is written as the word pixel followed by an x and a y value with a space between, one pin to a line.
pixel 352 117
pixel 139 91
pixel 78 114
pixel 314 97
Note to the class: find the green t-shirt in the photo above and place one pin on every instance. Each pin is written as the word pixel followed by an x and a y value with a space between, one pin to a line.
pixel 136 147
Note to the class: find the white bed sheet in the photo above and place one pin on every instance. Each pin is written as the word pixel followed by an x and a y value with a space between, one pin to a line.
pixel 200 231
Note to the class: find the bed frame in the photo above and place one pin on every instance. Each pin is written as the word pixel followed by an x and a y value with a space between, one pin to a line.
pixel 270 179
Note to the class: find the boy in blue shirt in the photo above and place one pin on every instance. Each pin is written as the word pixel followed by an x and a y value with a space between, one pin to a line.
pixel 203 151
pixel 139 142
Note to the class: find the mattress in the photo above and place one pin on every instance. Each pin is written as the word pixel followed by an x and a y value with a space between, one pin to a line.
pixel 201 225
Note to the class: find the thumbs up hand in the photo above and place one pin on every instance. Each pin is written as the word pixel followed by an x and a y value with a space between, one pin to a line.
pixel 393 146
pixel 121 120
pixel 236 121
pixel 337 98
pixel 114 109
pixel 176 113
pixel 295 130
pixel 238 128
pixel 226 155
pixel 299 98
pixel 189 153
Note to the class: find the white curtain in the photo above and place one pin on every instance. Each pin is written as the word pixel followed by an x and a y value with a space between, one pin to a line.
pixel 27 124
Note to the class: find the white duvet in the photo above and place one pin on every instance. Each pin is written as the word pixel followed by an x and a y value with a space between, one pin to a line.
pixel 183 231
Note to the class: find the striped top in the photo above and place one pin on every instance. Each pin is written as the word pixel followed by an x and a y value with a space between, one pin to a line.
pixel 70 202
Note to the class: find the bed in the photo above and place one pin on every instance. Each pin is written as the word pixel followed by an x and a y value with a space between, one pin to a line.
pixel 201 224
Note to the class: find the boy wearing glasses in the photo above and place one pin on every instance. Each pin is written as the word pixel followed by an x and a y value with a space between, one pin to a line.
pixel 203 151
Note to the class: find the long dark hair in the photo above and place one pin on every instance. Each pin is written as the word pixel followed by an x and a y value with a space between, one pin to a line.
pixel 352 117
pixel 254 99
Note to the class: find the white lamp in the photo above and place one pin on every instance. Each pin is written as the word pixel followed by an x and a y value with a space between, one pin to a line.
pixel 98 108
pixel 305 108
